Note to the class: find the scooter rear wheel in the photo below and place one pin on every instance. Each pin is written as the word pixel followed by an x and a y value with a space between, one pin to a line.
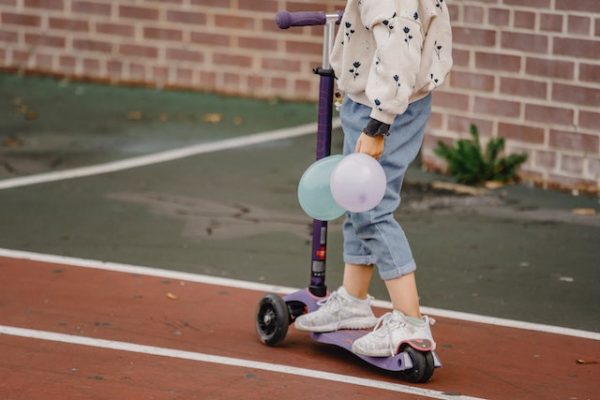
pixel 423 366
pixel 272 319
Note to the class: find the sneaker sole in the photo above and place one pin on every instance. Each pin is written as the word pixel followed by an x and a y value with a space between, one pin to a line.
pixel 353 323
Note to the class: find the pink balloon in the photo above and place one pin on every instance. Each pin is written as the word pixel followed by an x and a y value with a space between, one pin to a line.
pixel 358 182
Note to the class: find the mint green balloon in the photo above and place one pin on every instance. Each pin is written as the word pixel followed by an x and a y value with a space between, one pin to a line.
pixel 314 192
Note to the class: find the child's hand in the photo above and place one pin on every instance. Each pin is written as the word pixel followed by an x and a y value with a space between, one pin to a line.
pixel 372 146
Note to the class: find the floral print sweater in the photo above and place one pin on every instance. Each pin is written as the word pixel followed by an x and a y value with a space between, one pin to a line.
pixel 389 53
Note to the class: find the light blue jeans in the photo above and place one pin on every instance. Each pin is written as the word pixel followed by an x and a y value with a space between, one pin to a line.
pixel 375 237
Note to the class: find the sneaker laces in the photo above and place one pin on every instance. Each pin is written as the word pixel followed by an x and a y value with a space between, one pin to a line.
pixel 331 303
pixel 385 326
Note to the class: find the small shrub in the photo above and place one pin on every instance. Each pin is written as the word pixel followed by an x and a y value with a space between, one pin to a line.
pixel 470 165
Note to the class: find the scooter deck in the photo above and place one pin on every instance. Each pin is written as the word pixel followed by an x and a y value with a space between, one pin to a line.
pixel 399 362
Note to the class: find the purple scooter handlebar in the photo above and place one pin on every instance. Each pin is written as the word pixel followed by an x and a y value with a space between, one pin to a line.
pixel 285 19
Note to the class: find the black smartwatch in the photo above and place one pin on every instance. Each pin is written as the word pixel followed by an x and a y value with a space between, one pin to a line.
pixel 376 128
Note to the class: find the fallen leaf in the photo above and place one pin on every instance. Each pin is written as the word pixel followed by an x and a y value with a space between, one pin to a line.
pixel 584 211
pixel 163 117
pixel 493 185
pixel 237 121
pixel 457 188
pixel 580 361
pixel 213 118
pixel 171 296
pixel 12 142
pixel 31 115
pixel 134 116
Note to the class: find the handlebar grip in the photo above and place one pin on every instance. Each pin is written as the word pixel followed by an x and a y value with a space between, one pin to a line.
pixel 285 19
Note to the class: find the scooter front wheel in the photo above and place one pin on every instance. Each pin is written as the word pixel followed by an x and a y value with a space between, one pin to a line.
pixel 423 366
pixel 272 319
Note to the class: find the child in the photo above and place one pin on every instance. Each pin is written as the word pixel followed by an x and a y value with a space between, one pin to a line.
pixel 388 56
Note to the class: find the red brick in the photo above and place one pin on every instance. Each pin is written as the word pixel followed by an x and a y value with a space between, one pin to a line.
pixel 184 55
pixel 186 17
pixel 577 47
pixel 257 43
pixel 280 64
pixel 588 119
pixel 497 107
pixel 231 79
pixel 551 22
pixel 20 19
pixel 115 29
pixel 594 167
pixel 584 96
pixel 92 45
pixel 230 21
pixel 498 17
pixel 138 51
pixel 472 14
pixel 454 12
pixel 530 3
pixel 579 25
pixel 45 4
pixel 461 57
pixel 163 34
pixel 208 79
pixel 90 64
pixel 137 71
pixel 451 100
pixel 232 59
pixel 114 67
pixel 134 12
pixel 91 7
pixel 521 133
pixel 9 36
pixel 212 3
pixel 67 24
pixel 545 159
pixel 184 76
pixel 44 61
pixel 577 5
pixel 303 86
pixel 472 36
pixel 498 62
pixel 524 19
pixel 20 57
pixel 44 40
pixel 278 83
pixel 270 6
pixel 295 46
pixel 67 62
pixel 539 67
pixel 436 121
pixel 12 3
pixel 462 125
pixel 572 164
pixel 473 81
pixel 523 87
pixel 550 115
pixel 525 42
pixel 597 30
pixel 574 141
pixel 256 82
pixel 589 72
pixel 210 39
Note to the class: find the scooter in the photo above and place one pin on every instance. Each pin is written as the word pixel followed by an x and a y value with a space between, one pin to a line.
pixel 415 360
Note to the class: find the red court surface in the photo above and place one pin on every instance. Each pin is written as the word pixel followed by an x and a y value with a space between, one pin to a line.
pixel 121 314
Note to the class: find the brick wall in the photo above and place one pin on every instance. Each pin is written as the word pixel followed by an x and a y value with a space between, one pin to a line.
pixel 525 70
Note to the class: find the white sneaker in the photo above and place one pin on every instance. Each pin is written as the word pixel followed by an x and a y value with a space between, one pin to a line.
pixel 338 311
pixel 391 331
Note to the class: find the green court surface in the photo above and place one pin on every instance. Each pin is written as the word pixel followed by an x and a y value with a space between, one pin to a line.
pixel 517 252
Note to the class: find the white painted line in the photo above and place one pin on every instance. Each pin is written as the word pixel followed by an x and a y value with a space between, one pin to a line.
pixel 229 361
pixel 262 287
pixel 164 156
